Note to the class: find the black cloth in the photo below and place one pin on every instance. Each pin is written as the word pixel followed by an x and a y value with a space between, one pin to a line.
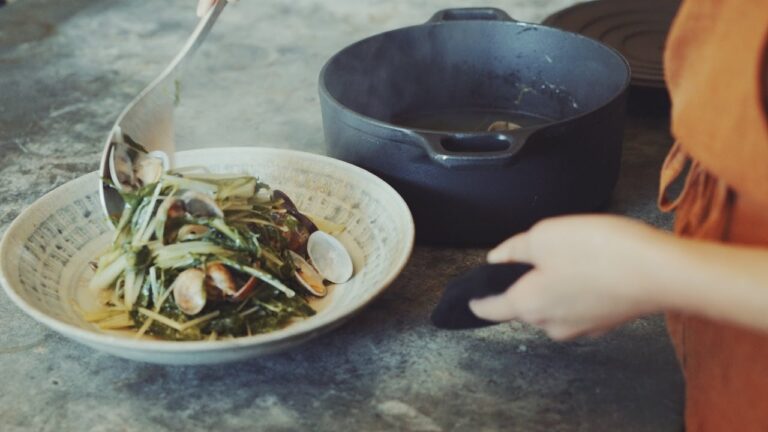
pixel 452 311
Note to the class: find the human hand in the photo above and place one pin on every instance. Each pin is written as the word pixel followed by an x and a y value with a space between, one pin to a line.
pixel 590 273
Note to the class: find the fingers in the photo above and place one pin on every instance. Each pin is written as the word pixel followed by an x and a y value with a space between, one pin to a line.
pixel 203 6
pixel 562 333
pixel 523 302
pixel 505 306
pixel 497 308
pixel 514 249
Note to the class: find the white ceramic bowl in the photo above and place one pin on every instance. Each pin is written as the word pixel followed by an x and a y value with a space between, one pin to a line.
pixel 45 252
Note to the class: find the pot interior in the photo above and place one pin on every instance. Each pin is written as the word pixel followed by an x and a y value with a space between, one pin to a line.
pixel 465 75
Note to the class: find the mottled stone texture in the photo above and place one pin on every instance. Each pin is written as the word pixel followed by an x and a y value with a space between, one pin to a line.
pixel 66 70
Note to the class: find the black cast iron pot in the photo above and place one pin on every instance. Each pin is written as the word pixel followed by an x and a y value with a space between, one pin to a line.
pixel 412 106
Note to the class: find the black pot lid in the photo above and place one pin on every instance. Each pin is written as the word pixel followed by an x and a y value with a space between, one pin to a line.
pixel 637 29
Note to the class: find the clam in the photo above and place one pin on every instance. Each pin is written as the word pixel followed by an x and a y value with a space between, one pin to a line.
pixel 293 211
pixel 189 291
pixel 263 195
pixel 176 209
pixel 191 232
pixel 220 283
pixel 122 167
pixel 147 169
pixel 220 277
pixel 132 168
pixel 201 205
pixel 246 289
pixel 308 276
pixel 501 125
pixel 329 257
pixel 297 239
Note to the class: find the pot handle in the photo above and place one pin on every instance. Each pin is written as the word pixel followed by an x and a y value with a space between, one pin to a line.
pixel 470 14
pixel 473 149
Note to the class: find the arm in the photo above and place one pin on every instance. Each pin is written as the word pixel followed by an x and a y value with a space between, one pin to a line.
pixel 594 272
pixel 721 281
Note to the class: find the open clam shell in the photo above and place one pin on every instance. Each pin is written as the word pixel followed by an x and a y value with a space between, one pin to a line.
pixel 329 257
pixel 189 291
pixel 308 276
pixel 201 205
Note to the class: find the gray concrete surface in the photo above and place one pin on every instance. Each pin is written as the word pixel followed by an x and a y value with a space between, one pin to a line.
pixel 66 70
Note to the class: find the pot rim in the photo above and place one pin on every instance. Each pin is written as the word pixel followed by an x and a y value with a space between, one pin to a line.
pixel 325 93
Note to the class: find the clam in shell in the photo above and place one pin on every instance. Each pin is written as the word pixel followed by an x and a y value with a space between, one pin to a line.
pixel 308 276
pixel 329 257
pixel 189 291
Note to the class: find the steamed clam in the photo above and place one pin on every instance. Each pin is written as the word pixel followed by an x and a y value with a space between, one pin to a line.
pixel 307 276
pixel 133 168
pixel 122 167
pixel 176 208
pixel 293 211
pixel 328 260
pixel 220 277
pixel 329 257
pixel 502 126
pixel 221 284
pixel 147 169
pixel 190 232
pixel 189 291
pixel 246 289
pixel 201 205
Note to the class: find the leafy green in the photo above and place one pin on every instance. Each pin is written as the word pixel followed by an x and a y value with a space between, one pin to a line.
pixel 251 241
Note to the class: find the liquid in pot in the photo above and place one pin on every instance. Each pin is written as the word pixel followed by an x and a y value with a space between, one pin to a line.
pixel 467 120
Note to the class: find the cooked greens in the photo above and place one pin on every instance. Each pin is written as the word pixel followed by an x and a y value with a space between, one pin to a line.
pixel 200 256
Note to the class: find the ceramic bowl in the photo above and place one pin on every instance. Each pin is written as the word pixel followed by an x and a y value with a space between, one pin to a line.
pixel 45 252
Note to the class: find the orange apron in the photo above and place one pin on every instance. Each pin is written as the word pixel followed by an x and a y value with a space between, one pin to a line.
pixel 716 64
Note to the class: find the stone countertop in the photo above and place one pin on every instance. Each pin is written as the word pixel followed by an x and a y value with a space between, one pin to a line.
pixel 68 68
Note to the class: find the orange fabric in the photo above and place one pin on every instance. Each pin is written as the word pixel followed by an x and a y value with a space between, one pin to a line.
pixel 724 365
pixel 714 70
pixel 714 66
